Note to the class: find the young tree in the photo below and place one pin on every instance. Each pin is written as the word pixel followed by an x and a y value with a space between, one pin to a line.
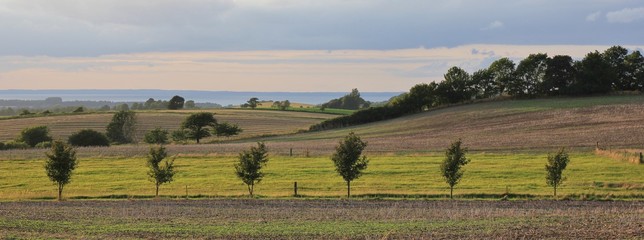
pixel 156 136
pixel 226 129
pixel 250 164
pixel 160 171
pixel 122 127
pixel 34 135
pixel 88 137
pixel 176 103
pixel 554 168
pixel 197 125
pixel 252 102
pixel 348 159
pixel 451 166
pixel 61 161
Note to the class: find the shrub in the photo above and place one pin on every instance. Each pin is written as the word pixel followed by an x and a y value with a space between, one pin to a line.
pixel 88 137
pixel 156 136
pixel 179 136
pixel 43 145
pixel 15 145
pixel 34 135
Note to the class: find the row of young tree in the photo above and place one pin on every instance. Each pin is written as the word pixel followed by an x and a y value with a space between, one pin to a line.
pixel 122 130
pixel 615 69
pixel 348 159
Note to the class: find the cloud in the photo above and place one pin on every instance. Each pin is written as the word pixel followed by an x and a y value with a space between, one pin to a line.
pixel 100 27
pixel 626 15
pixel 493 25
pixel 274 70
pixel 593 16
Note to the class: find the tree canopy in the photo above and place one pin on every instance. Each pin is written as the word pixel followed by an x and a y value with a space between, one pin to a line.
pixel 351 101
pixel 176 102
pixel 199 125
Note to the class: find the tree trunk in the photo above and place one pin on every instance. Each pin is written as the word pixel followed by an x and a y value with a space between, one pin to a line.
pixel 555 187
pixel 451 190
pixel 60 192
pixel 197 140
pixel 250 190
pixel 157 192
pixel 348 189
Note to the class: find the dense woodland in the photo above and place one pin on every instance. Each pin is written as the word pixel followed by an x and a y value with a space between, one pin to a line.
pixel 614 70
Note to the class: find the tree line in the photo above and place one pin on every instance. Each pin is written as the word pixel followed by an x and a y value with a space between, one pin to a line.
pixel 614 70
pixel 348 159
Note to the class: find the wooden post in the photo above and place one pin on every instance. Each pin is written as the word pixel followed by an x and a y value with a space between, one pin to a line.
pixel 295 188
pixel 291 152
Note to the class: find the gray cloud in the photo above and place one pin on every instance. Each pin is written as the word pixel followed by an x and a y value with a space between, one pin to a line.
pixel 91 28
pixel 593 16
pixel 626 15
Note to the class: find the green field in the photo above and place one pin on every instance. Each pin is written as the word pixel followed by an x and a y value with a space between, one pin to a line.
pixel 488 175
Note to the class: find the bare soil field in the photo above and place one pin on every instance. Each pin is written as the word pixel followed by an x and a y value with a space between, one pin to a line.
pixel 332 219
pixel 491 126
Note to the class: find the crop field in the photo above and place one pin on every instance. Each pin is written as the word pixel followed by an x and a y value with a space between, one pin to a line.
pixel 254 123
pixel 544 124
pixel 307 219
pixel 489 175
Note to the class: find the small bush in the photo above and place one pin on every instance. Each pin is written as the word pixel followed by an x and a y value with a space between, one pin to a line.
pixel 15 145
pixel 43 145
pixel 34 135
pixel 1 146
pixel 179 136
pixel 156 136
pixel 88 137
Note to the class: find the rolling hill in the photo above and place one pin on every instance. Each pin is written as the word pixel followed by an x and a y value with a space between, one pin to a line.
pixel 254 123
pixel 516 125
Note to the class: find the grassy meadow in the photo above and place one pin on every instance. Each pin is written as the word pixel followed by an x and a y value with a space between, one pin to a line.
pixel 399 176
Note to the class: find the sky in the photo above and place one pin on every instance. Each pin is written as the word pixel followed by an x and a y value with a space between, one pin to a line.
pixel 291 45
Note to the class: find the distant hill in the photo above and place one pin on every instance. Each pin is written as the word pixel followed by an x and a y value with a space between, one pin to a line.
pixel 220 97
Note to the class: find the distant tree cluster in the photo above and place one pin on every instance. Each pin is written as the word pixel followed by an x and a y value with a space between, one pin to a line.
pixel 351 101
pixel 282 105
pixel 616 69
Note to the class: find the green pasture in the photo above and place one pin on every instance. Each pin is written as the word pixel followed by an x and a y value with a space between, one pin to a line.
pixel 488 174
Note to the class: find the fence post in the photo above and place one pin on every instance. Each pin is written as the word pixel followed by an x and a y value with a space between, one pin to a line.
pixel 295 188
pixel 290 152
